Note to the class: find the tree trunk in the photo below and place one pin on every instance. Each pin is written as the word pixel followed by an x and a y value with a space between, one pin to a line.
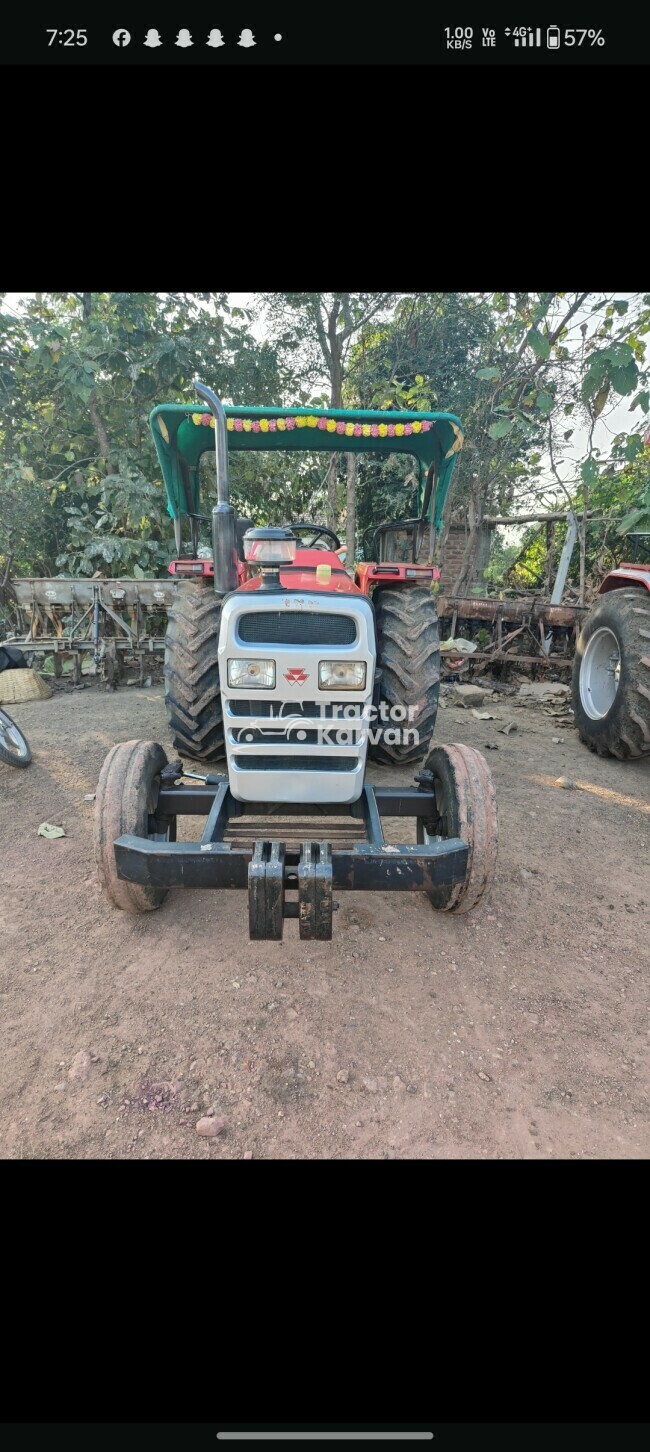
pixel 336 401
pixel 100 433
pixel 351 511
pixel 550 545
pixel 466 575
pixel 583 544
pixel 332 486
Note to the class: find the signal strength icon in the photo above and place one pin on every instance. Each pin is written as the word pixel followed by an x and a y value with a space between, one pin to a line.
pixel 525 36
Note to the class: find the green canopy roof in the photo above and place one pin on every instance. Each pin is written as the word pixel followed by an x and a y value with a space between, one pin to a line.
pixel 182 434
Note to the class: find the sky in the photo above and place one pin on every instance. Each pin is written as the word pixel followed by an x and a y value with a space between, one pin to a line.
pixel 615 420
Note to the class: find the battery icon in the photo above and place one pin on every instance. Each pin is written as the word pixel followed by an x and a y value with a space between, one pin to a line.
pixel 553 37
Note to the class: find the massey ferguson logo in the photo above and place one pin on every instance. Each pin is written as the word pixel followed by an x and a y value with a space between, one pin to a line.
pixel 296 676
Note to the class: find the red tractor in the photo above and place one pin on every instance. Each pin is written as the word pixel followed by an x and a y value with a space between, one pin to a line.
pixel 611 670
pixel 280 661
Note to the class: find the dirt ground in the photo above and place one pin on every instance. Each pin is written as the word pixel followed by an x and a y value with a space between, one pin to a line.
pixel 518 1031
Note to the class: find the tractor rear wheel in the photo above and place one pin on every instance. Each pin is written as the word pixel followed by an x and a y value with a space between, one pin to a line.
pixel 466 808
pixel 192 690
pixel 408 655
pixel 125 805
pixel 611 675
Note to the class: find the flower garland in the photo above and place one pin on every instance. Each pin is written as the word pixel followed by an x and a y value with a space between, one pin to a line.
pixel 309 421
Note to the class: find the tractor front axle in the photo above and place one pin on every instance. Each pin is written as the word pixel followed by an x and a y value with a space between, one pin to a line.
pixel 270 869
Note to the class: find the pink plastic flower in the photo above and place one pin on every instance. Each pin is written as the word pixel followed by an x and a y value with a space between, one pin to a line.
pixel 238 425
pixel 391 431
pixel 357 431
pixel 340 427
pixel 291 423
pixel 322 423
pixel 426 425
pixel 205 419
pixel 271 425
pixel 256 426
pixel 408 428
pixel 374 430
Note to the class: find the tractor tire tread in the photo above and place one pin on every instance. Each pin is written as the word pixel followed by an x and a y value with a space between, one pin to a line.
pixel 192 688
pixel 624 732
pixel 408 655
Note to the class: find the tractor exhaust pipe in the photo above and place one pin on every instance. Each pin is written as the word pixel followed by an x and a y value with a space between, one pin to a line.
pixel 224 534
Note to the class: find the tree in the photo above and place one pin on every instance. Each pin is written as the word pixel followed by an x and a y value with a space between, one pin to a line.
pixel 79 374
pixel 317 331
pixel 555 382
pixel 427 356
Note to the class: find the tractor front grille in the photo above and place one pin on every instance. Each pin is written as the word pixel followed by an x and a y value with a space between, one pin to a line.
pixel 285 627
pixel 315 709
pixel 247 735
pixel 296 763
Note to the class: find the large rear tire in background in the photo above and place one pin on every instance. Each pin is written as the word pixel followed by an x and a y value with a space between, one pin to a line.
pixel 611 675
pixel 192 690
pixel 408 655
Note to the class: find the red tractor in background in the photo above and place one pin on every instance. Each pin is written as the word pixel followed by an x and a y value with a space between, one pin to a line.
pixel 611 669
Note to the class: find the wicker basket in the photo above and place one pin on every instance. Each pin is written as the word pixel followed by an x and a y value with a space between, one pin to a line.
pixel 22 685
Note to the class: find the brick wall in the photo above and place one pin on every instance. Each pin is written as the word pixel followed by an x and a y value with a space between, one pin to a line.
pixel 452 560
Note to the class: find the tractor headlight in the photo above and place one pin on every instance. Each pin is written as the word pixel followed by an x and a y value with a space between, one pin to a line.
pixel 341 675
pixel 256 674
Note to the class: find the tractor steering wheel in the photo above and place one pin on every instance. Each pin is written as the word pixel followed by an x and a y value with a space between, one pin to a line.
pixel 316 530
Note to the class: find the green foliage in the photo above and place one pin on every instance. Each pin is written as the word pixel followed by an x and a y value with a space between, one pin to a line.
pixel 426 356
pixel 502 558
pixel 536 329
pixel 121 524
pixel 501 428
pixel 634 482
pixel 269 488
pixel 540 344
pixel 79 374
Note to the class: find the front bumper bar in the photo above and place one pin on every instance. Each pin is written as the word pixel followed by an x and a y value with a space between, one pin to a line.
pixel 268 868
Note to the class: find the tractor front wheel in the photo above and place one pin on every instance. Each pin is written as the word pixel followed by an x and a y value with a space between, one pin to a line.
pixel 611 675
pixel 466 808
pixel 192 689
pixel 408 656
pixel 126 806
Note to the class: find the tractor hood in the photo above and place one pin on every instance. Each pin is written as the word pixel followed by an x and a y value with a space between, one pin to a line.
pixel 182 434
pixel 303 574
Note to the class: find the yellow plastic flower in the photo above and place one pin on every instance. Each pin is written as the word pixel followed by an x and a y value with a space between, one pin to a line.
pixel 349 429
pixel 264 426
pixel 312 422
pixel 417 426
pixel 300 421
pixel 196 418
pixel 211 421
pixel 331 425
pixel 383 430
pixel 246 425
pixel 282 424
pixel 399 430
pixel 365 429
pixel 230 424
